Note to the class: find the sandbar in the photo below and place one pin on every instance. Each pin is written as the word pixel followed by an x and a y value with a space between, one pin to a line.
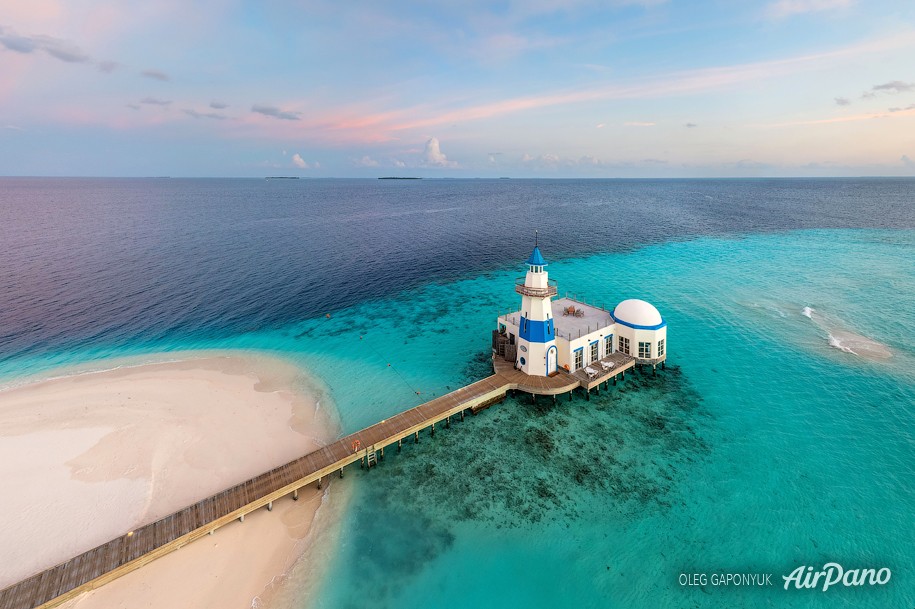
pixel 88 457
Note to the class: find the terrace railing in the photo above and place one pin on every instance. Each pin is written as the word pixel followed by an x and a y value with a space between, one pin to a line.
pixel 546 292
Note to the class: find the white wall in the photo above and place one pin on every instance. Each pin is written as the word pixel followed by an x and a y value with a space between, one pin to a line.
pixel 567 348
pixel 637 336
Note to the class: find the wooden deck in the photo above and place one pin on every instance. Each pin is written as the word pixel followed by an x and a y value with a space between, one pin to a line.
pixel 132 550
pixel 564 381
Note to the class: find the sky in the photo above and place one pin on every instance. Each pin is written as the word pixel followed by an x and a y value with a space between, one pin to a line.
pixel 458 88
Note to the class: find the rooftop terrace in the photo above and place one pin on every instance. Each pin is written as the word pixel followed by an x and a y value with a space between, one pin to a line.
pixel 586 319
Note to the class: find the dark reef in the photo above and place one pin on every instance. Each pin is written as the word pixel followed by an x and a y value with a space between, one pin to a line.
pixel 523 465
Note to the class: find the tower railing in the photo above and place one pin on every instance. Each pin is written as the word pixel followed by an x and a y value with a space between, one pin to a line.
pixel 549 291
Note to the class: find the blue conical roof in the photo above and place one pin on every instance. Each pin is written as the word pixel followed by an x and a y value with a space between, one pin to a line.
pixel 536 258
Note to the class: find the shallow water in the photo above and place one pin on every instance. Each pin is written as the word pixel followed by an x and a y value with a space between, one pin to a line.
pixel 761 448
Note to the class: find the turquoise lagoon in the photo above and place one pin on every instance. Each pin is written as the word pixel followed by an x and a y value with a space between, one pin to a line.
pixel 761 448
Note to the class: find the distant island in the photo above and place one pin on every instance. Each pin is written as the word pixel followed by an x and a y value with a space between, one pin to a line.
pixel 398 178
pixel 282 178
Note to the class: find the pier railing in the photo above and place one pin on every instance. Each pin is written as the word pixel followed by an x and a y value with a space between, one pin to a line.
pixel 104 563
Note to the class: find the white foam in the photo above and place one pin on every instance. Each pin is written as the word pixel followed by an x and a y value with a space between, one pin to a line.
pixel 839 337
pixel 836 343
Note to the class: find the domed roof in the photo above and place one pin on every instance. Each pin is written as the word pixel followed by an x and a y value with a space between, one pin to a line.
pixel 639 314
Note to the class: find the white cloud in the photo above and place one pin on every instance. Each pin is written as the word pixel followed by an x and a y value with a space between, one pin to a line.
pixel 907 161
pixel 366 161
pixel 299 162
pixel 433 155
pixel 638 124
pixel 788 8
pixel 552 161
pixel 398 163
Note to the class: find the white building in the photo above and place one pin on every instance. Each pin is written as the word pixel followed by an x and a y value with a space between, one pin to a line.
pixel 547 335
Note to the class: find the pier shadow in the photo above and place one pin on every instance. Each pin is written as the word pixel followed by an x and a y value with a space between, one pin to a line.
pixel 524 465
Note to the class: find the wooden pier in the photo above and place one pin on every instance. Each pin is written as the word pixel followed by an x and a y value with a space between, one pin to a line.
pixel 134 549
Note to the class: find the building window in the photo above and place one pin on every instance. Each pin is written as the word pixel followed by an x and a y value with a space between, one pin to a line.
pixel 661 348
pixel 594 351
pixel 608 345
pixel 579 358
pixel 644 350
pixel 624 345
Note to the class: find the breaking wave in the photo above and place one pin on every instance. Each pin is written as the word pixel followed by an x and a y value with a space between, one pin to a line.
pixel 838 336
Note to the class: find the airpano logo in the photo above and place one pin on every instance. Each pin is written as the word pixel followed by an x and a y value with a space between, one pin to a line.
pixel 834 574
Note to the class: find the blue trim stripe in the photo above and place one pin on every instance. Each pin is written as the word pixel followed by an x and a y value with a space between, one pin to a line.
pixel 536 331
pixel 637 327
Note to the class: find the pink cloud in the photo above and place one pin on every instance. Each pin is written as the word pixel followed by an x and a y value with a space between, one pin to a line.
pixel 34 14
pixel 894 113
pixel 383 124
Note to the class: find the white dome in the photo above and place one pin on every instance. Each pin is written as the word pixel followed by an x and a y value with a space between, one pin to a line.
pixel 635 312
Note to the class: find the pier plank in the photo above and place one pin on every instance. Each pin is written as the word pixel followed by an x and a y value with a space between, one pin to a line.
pixel 119 556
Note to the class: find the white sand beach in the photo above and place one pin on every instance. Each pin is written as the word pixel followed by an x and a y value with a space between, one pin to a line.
pixel 86 458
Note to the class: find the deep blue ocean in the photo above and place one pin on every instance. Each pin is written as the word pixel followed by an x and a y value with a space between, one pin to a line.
pixel 773 439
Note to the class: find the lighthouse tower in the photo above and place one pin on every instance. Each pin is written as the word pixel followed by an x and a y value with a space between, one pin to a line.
pixel 537 354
